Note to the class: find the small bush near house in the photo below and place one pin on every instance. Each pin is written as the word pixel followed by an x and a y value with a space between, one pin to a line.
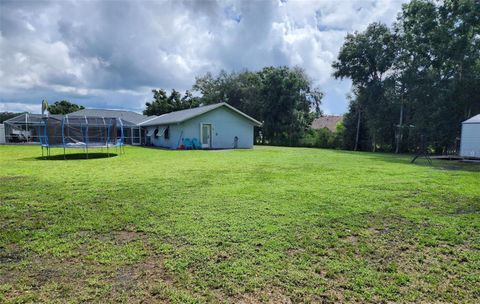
pixel 323 138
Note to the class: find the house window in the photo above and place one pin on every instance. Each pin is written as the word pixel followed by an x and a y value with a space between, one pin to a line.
pixel 167 133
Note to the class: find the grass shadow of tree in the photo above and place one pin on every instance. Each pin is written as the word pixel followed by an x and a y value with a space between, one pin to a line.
pixel 421 161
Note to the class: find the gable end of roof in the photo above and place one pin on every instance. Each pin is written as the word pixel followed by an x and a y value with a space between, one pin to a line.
pixel 473 120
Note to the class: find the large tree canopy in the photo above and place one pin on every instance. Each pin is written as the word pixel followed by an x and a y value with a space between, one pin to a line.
pixel 419 79
pixel 64 107
pixel 163 103
pixel 7 115
pixel 366 58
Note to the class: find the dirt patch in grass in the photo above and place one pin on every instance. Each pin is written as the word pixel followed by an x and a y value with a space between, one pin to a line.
pixel 468 209
pixel 9 256
pixel 140 276
pixel 352 239
pixel 407 258
pixel 48 278
pixel 12 254
pixel 80 277
pixel 122 236
pixel 4 179
pixel 295 251
pixel 46 275
pixel 272 296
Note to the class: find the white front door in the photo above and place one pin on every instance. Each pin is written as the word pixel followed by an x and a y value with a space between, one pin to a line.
pixel 206 135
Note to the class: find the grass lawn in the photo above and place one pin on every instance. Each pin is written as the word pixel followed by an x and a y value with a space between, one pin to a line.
pixel 272 224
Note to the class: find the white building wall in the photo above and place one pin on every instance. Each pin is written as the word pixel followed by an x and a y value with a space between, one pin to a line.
pixel 470 140
pixel 226 124
pixel 2 134
pixel 174 136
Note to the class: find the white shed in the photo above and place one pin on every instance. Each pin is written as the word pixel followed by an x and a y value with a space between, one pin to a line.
pixel 2 133
pixel 470 141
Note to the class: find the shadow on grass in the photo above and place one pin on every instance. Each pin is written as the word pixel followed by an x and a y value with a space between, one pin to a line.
pixel 77 156
pixel 405 159
pixel 438 164
pixel 457 165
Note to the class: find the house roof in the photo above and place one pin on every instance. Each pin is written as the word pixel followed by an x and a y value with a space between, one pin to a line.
pixel 329 121
pixel 473 120
pixel 128 116
pixel 184 115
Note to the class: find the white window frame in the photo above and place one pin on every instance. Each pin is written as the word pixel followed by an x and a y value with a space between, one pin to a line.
pixel 138 138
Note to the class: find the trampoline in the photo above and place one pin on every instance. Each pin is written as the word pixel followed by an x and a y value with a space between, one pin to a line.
pixel 80 132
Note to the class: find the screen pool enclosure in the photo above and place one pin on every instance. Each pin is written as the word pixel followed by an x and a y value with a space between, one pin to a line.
pixel 80 132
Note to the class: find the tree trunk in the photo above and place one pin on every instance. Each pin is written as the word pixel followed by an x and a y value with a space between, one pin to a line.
pixel 400 129
pixel 374 146
pixel 468 112
pixel 358 130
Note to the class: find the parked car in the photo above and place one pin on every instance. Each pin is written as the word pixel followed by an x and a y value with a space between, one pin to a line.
pixel 18 138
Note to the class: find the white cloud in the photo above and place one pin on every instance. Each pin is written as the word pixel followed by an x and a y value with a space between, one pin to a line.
pixel 111 54
pixel 19 107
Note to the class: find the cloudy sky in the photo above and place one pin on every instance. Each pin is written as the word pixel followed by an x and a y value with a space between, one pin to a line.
pixel 110 54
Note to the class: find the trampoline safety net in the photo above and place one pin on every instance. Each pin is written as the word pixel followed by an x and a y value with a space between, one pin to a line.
pixel 80 132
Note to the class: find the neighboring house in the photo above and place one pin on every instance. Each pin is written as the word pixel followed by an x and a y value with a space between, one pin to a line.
pixel 22 128
pixel 217 126
pixel 470 140
pixel 133 134
pixel 327 122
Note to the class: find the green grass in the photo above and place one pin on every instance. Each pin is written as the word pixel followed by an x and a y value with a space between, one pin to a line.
pixel 264 225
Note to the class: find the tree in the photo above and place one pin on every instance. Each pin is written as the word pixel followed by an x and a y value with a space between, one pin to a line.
pixel 189 101
pixel 355 135
pixel 288 103
pixel 365 58
pixel 7 115
pixel 64 107
pixel 162 103
pixel 282 97
pixel 438 67
pixel 240 90
pixel 419 80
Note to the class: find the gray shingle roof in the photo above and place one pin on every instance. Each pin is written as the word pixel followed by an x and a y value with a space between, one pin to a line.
pixel 473 120
pixel 183 115
pixel 128 116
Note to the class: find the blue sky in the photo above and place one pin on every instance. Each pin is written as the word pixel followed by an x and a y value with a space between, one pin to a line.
pixel 111 54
